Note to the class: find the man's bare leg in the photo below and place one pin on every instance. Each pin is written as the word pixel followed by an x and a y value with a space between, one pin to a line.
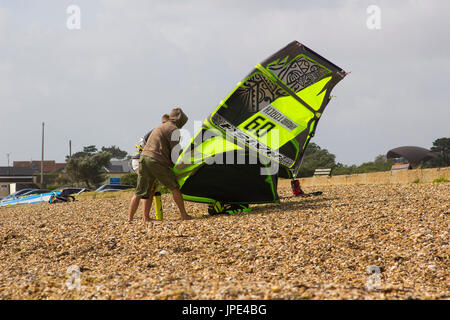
pixel 146 206
pixel 134 204
pixel 178 198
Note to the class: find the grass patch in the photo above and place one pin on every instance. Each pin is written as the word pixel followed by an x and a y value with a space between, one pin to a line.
pixel 416 181
pixel 441 179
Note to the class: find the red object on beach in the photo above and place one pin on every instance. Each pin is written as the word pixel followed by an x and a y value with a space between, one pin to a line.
pixel 296 190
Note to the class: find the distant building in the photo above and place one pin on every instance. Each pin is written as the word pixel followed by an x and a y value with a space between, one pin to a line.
pixel 118 169
pixel 120 166
pixel 50 166
pixel 15 178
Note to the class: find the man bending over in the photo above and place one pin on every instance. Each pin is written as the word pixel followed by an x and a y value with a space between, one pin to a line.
pixel 155 163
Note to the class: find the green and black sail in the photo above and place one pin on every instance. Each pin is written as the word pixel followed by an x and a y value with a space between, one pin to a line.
pixel 270 116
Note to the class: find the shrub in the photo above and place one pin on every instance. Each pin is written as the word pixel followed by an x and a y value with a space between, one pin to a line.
pixel 441 179
pixel 129 178
pixel 163 189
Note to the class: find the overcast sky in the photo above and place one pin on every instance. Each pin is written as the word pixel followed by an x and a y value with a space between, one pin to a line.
pixel 110 81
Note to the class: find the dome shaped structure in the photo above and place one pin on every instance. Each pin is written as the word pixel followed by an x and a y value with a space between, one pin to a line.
pixel 414 155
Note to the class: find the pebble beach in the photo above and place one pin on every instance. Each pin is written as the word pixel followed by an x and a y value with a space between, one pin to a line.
pixel 351 242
